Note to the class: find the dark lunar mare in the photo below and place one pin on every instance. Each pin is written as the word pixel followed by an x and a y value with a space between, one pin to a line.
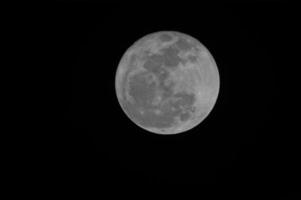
pixel 143 93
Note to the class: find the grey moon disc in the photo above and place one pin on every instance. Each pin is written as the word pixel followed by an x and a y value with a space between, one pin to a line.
pixel 205 75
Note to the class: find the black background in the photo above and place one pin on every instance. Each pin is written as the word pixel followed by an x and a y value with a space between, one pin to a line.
pixel 239 142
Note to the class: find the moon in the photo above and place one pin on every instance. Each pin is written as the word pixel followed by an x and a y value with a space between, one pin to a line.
pixel 199 75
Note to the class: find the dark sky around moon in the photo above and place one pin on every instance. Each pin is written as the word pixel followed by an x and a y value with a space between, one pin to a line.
pixel 247 43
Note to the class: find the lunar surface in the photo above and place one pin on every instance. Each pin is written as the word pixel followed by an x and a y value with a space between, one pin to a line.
pixel 167 82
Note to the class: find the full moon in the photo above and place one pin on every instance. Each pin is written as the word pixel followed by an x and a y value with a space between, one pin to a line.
pixel 188 68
